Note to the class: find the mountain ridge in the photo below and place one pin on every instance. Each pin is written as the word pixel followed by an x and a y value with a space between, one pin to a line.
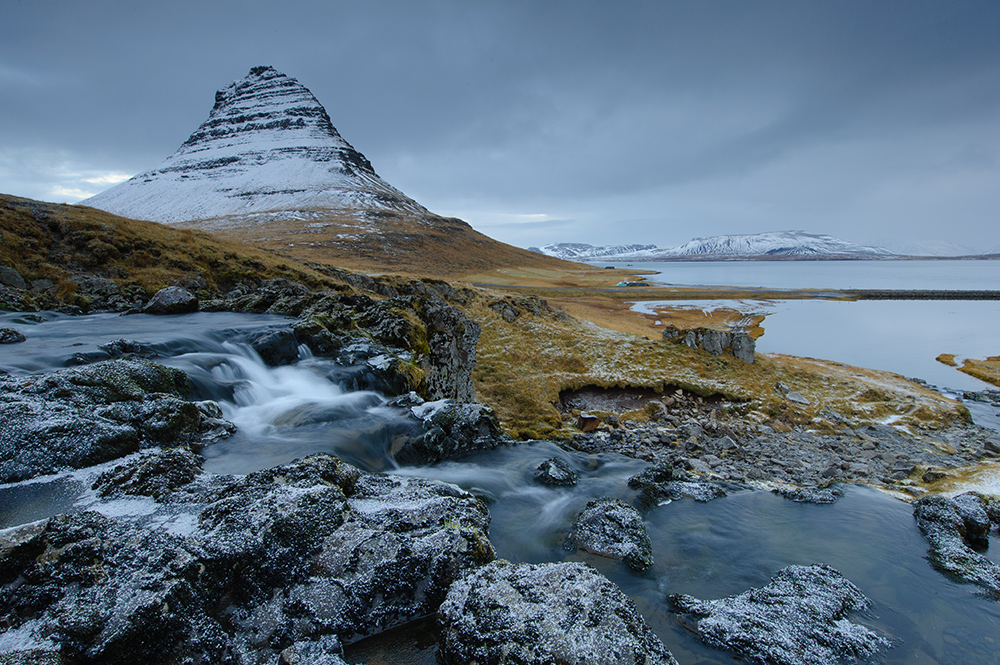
pixel 775 245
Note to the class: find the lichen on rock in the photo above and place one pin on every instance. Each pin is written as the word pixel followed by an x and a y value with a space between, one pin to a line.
pixel 524 614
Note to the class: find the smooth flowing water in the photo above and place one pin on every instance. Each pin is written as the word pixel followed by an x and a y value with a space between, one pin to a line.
pixel 708 550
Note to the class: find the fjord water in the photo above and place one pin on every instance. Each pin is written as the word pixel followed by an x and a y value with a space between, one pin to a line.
pixel 708 550
pixel 884 274
pixel 902 336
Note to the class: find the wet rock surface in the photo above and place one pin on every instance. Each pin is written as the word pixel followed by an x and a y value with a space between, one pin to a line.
pixel 665 482
pixel 554 472
pixel 716 441
pixel 818 495
pixel 799 618
pixel 171 300
pixel 613 529
pixel 447 430
pixel 547 613
pixel 83 416
pixel 11 336
pixel 285 563
pixel 958 530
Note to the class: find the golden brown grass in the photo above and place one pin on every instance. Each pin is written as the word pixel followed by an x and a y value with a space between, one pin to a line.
pixel 52 241
pixel 985 370
pixel 524 365
pixel 381 242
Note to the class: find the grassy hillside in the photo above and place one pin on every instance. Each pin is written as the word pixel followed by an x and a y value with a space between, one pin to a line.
pixel 47 241
pixel 395 242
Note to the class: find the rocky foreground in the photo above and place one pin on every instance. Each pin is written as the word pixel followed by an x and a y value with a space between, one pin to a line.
pixel 289 564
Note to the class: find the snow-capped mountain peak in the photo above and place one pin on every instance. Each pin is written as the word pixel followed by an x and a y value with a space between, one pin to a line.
pixel 268 145
pixel 773 245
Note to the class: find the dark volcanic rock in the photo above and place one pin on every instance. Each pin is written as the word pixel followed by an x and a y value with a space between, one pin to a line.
pixel 958 532
pixel 823 495
pixel 104 591
pixel 11 336
pixel 12 278
pixel 452 339
pixel 448 430
pixel 554 471
pixel 171 300
pixel 522 614
pixel 798 618
pixel 155 475
pixel 275 347
pixel 87 415
pixel 613 529
pixel 286 563
pixel 667 482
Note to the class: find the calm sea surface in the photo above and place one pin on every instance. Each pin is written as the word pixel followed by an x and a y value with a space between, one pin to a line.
pixel 903 336
pixel 826 274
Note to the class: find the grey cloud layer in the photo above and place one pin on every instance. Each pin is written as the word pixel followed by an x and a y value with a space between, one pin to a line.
pixel 637 122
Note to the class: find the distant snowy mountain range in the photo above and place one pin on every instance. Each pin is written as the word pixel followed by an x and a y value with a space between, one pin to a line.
pixel 775 245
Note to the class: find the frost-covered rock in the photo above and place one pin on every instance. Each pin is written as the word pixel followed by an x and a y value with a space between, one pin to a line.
pixel 613 529
pixel 958 531
pixel 666 482
pixel 522 614
pixel 11 336
pixel 281 565
pixel 822 495
pixel 739 343
pixel 554 471
pixel 87 415
pixel 447 430
pixel 798 618
pixel 171 300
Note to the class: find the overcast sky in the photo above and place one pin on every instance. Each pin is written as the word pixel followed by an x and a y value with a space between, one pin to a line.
pixel 547 121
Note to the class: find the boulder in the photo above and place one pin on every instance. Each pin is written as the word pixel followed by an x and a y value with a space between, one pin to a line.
pixel 798 618
pixel 957 530
pixel 282 565
pixel 11 336
pixel 613 529
pixel 12 278
pixel 554 472
pixel 171 300
pixel 716 342
pixel 666 482
pixel 820 495
pixel 87 415
pixel 523 614
pixel 275 347
pixel 447 429
pixel 156 475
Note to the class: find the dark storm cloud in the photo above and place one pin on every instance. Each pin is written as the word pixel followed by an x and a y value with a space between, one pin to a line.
pixel 637 122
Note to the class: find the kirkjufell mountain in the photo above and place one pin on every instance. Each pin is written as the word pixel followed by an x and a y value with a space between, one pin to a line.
pixel 269 167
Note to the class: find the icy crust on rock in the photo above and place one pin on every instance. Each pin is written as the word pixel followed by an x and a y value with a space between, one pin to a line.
pixel 958 531
pixel 293 560
pixel 613 529
pixel 268 145
pixel 798 618
pixel 524 614
pixel 82 416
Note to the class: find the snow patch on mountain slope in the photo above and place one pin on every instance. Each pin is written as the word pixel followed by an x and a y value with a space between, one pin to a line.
pixel 268 145
pixel 776 245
